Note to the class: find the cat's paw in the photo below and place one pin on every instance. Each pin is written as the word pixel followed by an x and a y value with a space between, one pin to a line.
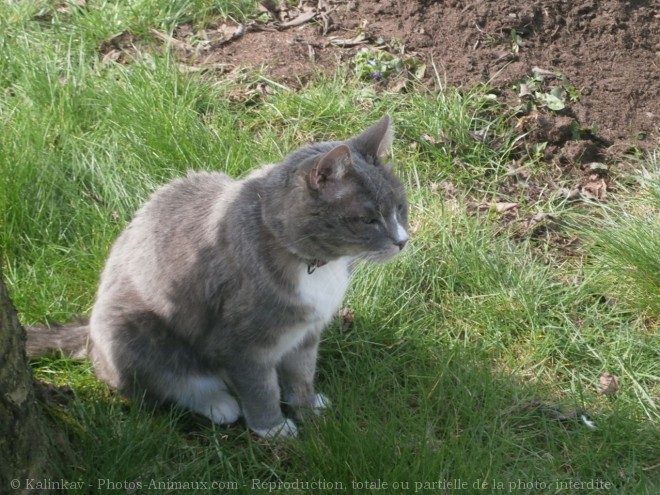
pixel 321 402
pixel 225 411
pixel 286 429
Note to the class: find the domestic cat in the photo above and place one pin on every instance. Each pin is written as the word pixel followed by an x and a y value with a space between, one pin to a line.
pixel 215 295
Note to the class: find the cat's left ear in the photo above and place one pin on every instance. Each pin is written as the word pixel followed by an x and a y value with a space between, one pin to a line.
pixel 331 168
pixel 377 140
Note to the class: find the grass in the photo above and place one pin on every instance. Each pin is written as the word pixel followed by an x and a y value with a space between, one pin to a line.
pixel 462 352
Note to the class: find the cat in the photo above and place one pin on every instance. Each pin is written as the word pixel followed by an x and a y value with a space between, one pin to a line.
pixel 215 295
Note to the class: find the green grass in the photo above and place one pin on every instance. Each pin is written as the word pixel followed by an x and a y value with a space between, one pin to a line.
pixel 454 345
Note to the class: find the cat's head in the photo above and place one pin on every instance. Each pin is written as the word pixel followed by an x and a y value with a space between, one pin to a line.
pixel 342 199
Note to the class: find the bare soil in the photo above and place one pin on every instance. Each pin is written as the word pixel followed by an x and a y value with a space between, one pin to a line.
pixel 608 50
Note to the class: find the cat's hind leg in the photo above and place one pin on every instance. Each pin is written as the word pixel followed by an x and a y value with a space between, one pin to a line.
pixel 208 396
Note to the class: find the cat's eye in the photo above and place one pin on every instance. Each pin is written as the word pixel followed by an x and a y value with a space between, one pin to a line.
pixel 369 220
pixel 400 208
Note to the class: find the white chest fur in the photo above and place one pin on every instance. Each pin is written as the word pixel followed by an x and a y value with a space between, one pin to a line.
pixel 324 289
pixel 322 292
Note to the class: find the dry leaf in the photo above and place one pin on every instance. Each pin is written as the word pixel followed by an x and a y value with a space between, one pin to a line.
pixel 520 172
pixel 173 42
pixel 524 91
pixel 449 188
pixel 121 40
pixel 398 85
pixel 608 384
pixel 360 39
pixel 223 33
pixel 502 207
pixel 300 20
pixel 478 135
pixel 570 193
pixel 112 56
pixel 539 217
pixel 347 316
pixel 283 9
pixel 430 139
pixel 595 190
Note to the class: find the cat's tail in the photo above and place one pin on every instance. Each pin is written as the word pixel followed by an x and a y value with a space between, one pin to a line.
pixel 70 340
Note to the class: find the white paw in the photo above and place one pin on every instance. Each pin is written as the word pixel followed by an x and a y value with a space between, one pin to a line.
pixel 321 402
pixel 226 411
pixel 286 429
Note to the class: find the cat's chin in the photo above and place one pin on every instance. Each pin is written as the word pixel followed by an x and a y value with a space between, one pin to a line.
pixel 381 256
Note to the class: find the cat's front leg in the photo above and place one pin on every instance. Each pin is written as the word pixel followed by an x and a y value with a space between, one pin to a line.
pixel 257 387
pixel 297 370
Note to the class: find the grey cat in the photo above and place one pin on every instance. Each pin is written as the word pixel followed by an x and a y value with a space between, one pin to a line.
pixel 215 295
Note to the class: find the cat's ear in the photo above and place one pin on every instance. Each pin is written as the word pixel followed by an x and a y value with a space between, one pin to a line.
pixel 377 140
pixel 331 167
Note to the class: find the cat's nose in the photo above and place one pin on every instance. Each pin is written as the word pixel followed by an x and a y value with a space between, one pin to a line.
pixel 401 236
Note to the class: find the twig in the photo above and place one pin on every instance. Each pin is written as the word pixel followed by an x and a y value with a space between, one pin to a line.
pixel 298 21
pixel 181 45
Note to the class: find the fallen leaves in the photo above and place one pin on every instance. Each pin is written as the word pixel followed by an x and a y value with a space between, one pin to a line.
pixel 440 140
pixel 191 46
pixel 494 206
pixel 448 187
pixel 283 17
pixel 347 315
pixel 205 48
pixel 501 207
pixel 304 17
pixel 595 189
pixel 359 39
pixel 175 43
pixel 121 48
pixel 608 384
pixel 537 218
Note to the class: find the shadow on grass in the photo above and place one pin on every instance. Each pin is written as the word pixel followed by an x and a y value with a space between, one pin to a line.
pixel 407 416
pixel 417 414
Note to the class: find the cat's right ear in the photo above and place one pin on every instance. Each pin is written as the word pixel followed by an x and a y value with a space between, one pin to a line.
pixel 377 140
pixel 331 167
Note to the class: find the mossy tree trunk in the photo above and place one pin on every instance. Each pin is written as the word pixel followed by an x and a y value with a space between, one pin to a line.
pixel 23 440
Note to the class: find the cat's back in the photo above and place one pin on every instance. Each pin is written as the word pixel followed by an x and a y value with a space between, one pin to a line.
pixel 186 206
pixel 196 193
pixel 177 220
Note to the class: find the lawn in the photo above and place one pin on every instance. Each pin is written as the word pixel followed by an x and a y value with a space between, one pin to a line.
pixel 466 364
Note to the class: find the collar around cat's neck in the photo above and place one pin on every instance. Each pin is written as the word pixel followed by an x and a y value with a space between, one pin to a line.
pixel 314 264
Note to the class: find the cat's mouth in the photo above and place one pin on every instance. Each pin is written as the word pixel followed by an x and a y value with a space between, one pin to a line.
pixel 383 255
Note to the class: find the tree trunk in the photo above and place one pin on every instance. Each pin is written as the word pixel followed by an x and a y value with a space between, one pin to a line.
pixel 23 440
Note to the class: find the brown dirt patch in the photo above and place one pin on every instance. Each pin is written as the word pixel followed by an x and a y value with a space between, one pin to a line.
pixel 608 50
